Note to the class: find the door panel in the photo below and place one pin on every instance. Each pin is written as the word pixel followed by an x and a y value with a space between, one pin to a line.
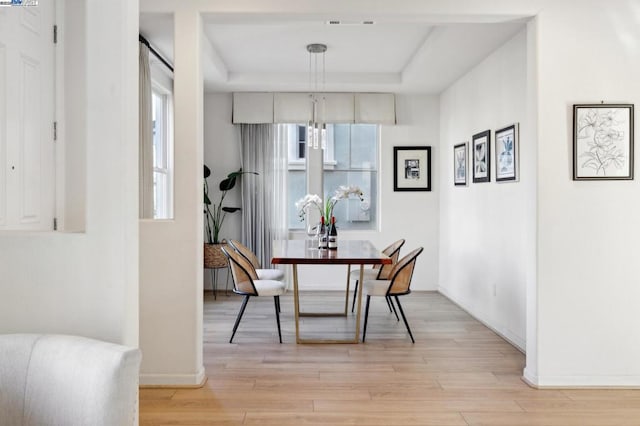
pixel 3 130
pixel 29 163
pixel 30 18
pixel 27 186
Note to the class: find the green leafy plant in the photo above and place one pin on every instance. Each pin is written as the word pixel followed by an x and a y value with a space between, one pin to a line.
pixel 215 213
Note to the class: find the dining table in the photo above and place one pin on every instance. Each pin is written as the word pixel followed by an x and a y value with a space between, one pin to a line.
pixel 296 252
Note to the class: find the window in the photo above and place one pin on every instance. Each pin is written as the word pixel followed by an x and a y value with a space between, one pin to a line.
pixel 301 147
pixel 162 116
pixel 355 155
pixel 350 158
pixel 296 174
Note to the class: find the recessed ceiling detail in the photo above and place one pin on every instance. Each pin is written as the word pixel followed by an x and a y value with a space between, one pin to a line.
pixel 263 53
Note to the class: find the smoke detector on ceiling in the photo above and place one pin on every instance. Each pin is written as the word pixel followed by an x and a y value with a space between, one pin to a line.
pixel 339 22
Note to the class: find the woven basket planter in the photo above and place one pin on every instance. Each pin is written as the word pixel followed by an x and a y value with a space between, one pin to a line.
pixel 214 257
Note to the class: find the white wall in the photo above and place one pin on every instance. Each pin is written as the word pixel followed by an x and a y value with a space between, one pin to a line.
pixel 588 232
pixel 71 149
pixel 87 283
pixel 171 251
pixel 483 249
pixel 413 216
pixel 583 292
pixel 417 222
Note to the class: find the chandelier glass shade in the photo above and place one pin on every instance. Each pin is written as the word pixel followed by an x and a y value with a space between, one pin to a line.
pixel 317 127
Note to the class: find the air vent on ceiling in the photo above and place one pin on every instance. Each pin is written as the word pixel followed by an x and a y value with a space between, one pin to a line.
pixel 337 22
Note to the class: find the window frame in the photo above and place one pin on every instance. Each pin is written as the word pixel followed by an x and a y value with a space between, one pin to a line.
pixel 294 163
pixel 167 141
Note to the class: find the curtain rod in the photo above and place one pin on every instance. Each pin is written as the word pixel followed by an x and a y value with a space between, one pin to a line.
pixel 155 53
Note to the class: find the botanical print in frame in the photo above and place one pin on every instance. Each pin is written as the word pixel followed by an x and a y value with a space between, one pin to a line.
pixel 603 142
pixel 481 153
pixel 412 168
pixel 460 164
pixel 506 153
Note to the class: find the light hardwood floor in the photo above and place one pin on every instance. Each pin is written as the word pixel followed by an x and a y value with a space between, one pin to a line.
pixel 457 373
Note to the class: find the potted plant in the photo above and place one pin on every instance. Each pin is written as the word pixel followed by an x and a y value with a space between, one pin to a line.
pixel 214 214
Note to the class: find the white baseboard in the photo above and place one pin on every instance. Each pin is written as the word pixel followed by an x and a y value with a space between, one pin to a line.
pixel 173 380
pixel 530 378
pixel 583 382
pixel 518 342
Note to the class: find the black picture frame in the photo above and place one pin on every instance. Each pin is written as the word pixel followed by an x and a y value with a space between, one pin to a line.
pixel 460 161
pixel 412 168
pixel 603 141
pixel 507 153
pixel 481 154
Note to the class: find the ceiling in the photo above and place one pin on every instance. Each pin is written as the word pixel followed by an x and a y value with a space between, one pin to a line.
pixel 256 53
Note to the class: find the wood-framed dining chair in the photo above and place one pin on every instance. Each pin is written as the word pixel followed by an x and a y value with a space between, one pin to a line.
pixel 398 284
pixel 247 283
pixel 263 273
pixel 379 272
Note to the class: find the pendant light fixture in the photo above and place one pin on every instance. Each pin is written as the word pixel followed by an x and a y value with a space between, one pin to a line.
pixel 317 128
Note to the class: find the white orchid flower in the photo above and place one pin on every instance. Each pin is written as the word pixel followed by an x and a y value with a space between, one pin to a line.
pixel 345 190
pixel 326 210
pixel 308 200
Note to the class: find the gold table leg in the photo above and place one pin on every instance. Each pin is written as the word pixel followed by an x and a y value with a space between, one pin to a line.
pixel 295 302
pixel 358 315
pixel 346 296
pixel 298 314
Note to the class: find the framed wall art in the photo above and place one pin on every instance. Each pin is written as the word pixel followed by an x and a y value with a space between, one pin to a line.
pixel 506 150
pixel 603 142
pixel 412 168
pixel 460 164
pixel 481 153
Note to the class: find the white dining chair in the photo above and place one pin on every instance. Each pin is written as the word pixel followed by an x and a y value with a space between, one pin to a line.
pixel 398 284
pixel 378 272
pixel 247 284
pixel 263 273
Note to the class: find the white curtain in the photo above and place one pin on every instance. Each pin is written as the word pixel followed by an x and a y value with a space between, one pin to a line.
pixel 145 133
pixel 264 150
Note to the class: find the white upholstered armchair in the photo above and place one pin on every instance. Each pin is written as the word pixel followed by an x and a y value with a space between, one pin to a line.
pixel 66 380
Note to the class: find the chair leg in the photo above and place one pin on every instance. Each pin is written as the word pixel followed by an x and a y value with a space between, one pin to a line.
pixel 386 298
pixel 226 284
pixel 392 308
pixel 276 301
pixel 366 317
pixel 355 296
pixel 214 285
pixel 404 319
pixel 235 326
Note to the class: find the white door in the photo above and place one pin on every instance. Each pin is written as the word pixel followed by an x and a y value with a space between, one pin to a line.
pixel 27 187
